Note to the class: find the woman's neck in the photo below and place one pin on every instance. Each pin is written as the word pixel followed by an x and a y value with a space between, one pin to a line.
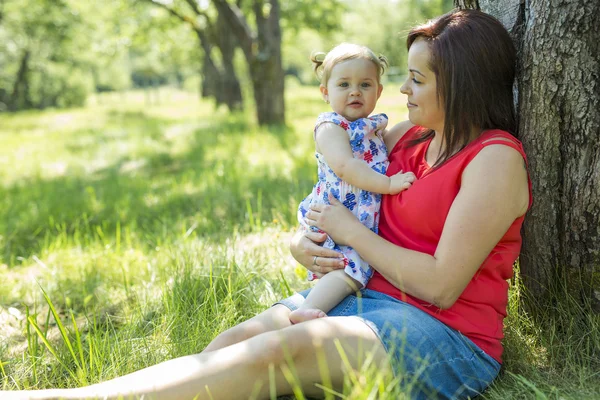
pixel 435 148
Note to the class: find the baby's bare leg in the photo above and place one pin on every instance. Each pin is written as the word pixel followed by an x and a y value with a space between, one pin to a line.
pixel 326 294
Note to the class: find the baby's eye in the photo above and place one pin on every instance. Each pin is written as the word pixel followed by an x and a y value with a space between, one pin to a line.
pixel 366 84
pixel 344 84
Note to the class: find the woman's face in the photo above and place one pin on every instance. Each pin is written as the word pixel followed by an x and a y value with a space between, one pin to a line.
pixel 421 89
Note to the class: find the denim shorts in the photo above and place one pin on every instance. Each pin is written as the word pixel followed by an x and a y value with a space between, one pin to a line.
pixel 430 359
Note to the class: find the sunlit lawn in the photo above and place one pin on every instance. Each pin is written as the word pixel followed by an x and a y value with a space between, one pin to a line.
pixel 153 227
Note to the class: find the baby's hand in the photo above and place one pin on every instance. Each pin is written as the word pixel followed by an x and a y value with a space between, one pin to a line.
pixel 401 181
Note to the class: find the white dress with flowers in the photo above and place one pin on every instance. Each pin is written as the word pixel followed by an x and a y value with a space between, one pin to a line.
pixel 367 144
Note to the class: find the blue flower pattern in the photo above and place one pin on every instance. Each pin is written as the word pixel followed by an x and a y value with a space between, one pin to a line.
pixel 358 144
pixel 349 202
pixel 365 136
pixel 373 148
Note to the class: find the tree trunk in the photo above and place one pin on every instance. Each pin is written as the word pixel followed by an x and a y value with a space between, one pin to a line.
pixel 267 69
pixel 263 55
pixel 230 85
pixel 558 103
pixel 211 77
pixel 19 99
pixel 221 83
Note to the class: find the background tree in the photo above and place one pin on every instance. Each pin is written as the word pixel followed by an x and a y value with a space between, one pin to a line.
pixel 261 42
pixel 254 27
pixel 558 104
pixel 262 50
pixel 219 78
pixel 161 51
pixel 40 39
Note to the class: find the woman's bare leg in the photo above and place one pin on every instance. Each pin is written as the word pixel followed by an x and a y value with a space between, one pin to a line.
pixel 274 318
pixel 243 370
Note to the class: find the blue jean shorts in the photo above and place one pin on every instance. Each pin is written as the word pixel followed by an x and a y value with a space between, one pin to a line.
pixel 430 359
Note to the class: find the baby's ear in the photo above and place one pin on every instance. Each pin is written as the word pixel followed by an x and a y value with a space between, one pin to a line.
pixel 324 93
pixel 379 90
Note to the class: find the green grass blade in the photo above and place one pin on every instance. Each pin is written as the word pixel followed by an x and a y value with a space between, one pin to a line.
pixel 49 346
pixel 4 375
pixel 61 327
pixel 285 286
pixel 250 214
pixel 31 347
pixel 79 346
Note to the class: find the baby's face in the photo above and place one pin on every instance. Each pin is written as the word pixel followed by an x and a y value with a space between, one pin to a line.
pixel 353 88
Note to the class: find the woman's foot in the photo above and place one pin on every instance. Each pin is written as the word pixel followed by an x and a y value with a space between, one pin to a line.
pixel 305 314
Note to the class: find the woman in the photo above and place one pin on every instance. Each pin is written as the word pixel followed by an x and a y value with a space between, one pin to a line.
pixel 433 311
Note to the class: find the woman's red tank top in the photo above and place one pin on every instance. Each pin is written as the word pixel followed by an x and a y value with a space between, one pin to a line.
pixel 414 219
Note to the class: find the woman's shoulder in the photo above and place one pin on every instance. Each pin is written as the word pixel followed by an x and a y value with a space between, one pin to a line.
pixel 498 141
pixel 500 154
pixel 397 132
pixel 492 135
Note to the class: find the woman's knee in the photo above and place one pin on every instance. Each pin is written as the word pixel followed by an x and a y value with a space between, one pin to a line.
pixel 273 319
pixel 277 348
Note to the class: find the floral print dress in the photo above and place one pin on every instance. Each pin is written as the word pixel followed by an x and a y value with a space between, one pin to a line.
pixel 367 144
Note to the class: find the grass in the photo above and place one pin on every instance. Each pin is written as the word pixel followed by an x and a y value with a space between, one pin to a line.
pixel 133 233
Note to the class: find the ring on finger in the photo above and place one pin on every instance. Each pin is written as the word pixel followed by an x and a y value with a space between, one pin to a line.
pixel 315 260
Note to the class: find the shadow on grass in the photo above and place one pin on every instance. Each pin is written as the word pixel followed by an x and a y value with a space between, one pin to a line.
pixel 153 194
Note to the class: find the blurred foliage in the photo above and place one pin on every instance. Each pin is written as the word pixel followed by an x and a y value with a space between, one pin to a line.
pixel 55 53
pixel 319 15
pixel 162 50
pixel 39 39
pixel 381 25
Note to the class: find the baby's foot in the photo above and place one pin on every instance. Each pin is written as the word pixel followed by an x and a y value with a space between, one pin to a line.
pixel 305 314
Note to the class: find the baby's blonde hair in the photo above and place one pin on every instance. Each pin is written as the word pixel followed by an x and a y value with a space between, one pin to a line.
pixel 324 63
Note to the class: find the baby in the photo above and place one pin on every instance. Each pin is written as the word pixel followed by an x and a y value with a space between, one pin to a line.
pixel 352 161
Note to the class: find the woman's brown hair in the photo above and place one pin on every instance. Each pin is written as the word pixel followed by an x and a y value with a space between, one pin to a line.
pixel 473 59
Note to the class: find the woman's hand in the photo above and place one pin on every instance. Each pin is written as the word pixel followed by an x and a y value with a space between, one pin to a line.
pixel 305 248
pixel 335 219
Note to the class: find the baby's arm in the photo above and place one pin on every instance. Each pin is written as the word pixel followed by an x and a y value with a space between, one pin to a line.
pixel 333 142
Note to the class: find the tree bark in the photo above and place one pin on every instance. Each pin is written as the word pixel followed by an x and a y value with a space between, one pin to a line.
pixel 19 98
pixel 263 55
pixel 230 84
pixel 473 4
pixel 219 82
pixel 558 104
pixel 211 77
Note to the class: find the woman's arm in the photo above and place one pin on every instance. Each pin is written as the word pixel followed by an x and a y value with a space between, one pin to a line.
pixel 333 143
pixel 494 192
